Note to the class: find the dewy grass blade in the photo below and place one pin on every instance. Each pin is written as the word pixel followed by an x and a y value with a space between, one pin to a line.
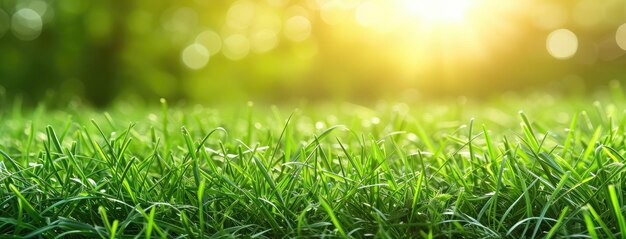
pixel 113 232
pixel 558 223
pixel 329 210
pixel 591 230
pixel 25 204
pixel 150 224
pixel 16 167
pixel 105 219
pixel 598 219
pixel 550 201
pixel 164 124
pixel 418 173
pixel 201 206
pixel 591 144
pixel 529 132
pixel 617 209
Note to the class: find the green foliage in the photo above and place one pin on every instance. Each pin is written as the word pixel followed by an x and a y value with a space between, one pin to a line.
pixel 391 171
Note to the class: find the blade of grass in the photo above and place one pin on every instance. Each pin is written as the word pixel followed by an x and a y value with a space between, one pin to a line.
pixel 329 210
pixel 617 210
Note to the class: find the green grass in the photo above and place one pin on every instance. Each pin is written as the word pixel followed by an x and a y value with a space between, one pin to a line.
pixel 445 169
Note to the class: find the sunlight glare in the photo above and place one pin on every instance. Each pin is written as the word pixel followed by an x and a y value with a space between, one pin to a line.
pixel 439 12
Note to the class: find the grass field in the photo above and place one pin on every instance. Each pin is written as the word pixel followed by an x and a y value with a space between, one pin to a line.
pixel 537 166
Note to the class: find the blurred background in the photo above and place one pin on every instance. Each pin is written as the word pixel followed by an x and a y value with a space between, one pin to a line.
pixel 278 50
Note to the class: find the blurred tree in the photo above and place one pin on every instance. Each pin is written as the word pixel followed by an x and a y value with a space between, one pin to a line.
pixel 277 50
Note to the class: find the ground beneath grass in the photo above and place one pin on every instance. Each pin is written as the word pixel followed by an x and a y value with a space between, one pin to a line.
pixel 420 169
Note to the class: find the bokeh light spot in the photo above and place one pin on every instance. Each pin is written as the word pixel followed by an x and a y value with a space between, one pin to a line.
pixel 26 24
pixel 562 44
pixel 195 56
pixel 264 41
pixel 236 47
pixel 297 28
pixel 620 36
pixel 211 40
pixel 240 14
pixel 38 6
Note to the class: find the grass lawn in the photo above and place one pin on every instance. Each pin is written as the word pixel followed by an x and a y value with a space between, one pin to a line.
pixel 445 169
